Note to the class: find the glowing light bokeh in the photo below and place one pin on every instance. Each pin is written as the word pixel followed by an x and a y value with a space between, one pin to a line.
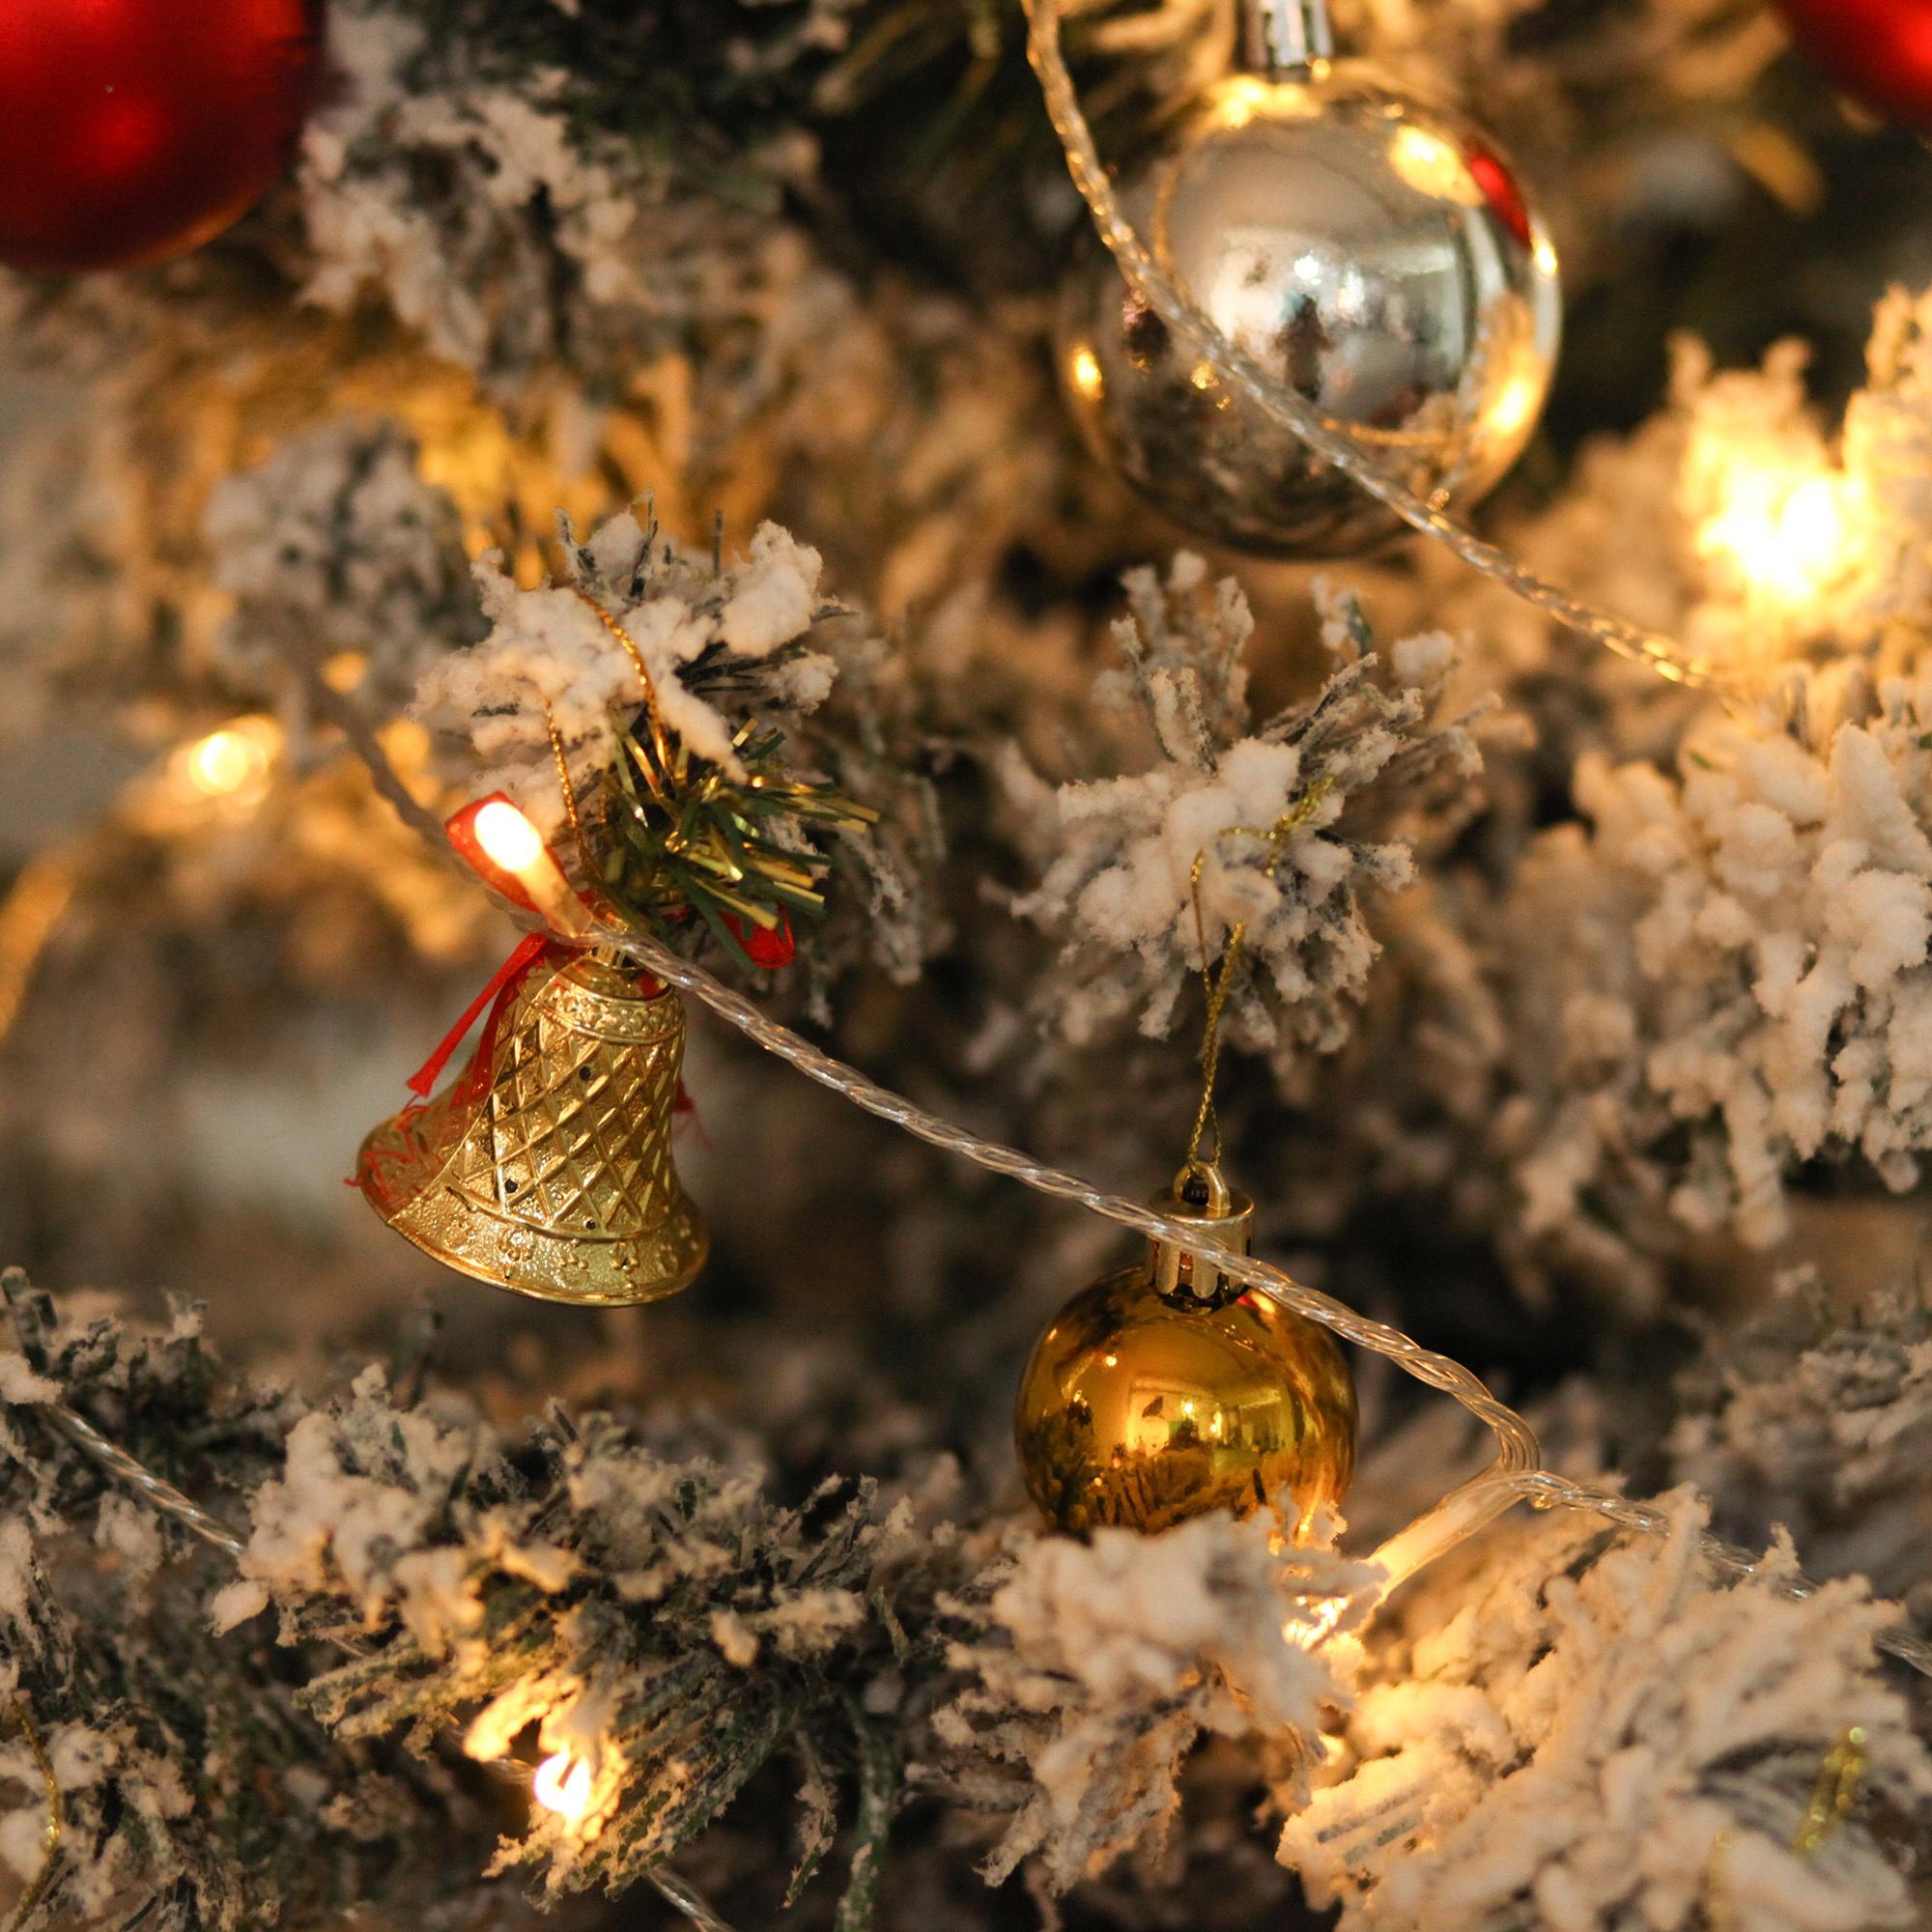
pixel 507 836
pixel 1787 535
pixel 561 1782
pixel 1319 1627
pixel 231 762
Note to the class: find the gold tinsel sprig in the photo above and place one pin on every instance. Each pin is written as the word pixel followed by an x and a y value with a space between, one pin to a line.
pixel 687 831
pixel 735 843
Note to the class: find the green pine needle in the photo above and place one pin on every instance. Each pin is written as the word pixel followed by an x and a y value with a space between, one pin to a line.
pixel 687 837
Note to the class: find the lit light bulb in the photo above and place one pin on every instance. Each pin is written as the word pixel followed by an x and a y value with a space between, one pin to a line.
pixel 1084 372
pixel 507 838
pixel 1814 527
pixel 511 846
pixel 231 761
pixel 1786 533
pixel 561 1783
pixel 1319 1627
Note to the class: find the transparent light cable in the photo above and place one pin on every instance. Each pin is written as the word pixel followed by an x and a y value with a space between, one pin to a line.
pixel 1516 1475
pixel 162 1497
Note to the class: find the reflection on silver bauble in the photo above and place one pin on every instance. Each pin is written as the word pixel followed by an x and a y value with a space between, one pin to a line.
pixel 1373 253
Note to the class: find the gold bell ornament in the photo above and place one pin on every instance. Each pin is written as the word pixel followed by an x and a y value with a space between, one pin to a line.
pixel 545 1166
pixel 1167 1390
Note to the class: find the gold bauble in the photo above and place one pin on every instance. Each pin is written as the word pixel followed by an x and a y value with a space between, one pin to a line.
pixel 546 1167
pixel 1165 1391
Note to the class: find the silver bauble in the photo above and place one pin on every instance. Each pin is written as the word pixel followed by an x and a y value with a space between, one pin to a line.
pixel 1374 253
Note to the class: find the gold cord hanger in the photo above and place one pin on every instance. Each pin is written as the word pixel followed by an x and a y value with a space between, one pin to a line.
pixel 1217 985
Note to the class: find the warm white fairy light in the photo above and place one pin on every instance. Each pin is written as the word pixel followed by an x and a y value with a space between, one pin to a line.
pixel 514 845
pixel 232 762
pixel 1788 534
pixel 223 761
pixel 561 1783
pixel 507 836
pixel 1312 1631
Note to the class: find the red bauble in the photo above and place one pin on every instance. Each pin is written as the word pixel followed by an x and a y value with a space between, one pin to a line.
pixel 132 129
pixel 1879 51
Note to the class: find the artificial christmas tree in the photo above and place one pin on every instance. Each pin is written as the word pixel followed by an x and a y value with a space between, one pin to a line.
pixel 645 424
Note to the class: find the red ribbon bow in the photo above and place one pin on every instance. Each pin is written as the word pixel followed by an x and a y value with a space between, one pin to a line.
pixel 501 990
pixel 530 951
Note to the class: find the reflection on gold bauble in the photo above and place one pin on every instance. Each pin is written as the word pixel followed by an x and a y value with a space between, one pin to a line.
pixel 1164 1391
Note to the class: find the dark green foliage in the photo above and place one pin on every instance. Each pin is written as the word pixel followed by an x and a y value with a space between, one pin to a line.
pixel 496 1595
pixel 209 1802
pixel 685 836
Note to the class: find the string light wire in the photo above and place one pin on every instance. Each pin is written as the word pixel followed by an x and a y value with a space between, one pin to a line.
pixel 1516 1475
pixel 165 1500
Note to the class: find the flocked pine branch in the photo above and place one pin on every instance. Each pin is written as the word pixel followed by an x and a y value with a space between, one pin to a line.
pixel 657 1618
pixel 578 1589
pixel 196 1793
pixel 1357 775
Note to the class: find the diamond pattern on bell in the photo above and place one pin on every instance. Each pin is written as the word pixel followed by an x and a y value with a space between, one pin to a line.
pixel 549 1168
pixel 575 1139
